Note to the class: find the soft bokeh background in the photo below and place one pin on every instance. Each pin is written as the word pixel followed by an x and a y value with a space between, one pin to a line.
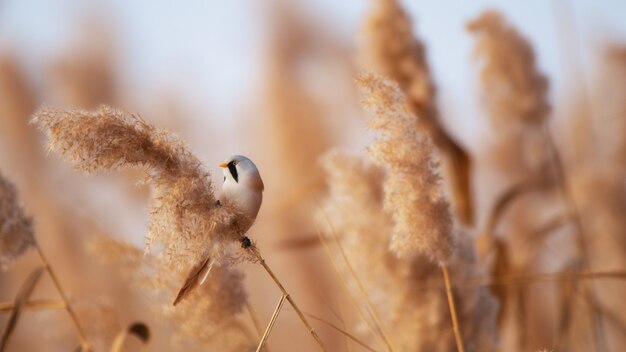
pixel 268 79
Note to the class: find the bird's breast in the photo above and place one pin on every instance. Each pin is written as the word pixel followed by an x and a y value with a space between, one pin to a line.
pixel 247 201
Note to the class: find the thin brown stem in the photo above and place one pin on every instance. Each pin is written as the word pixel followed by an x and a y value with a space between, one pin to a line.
pixel 81 334
pixel 268 330
pixel 455 322
pixel 291 301
pixel 34 304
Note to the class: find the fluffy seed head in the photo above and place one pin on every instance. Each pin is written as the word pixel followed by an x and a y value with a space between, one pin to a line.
pixel 16 228
pixel 413 191
pixel 184 216
pixel 514 91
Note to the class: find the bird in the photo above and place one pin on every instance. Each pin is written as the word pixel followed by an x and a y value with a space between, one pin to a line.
pixel 243 190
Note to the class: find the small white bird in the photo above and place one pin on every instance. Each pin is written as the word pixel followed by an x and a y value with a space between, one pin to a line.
pixel 243 189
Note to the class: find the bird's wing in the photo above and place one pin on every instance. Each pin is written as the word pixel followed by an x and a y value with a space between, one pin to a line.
pixel 197 275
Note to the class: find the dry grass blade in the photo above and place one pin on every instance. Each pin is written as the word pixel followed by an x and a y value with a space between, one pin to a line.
pixel 270 326
pixel 34 304
pixel 81 333
pixel 20 301
pixel 139 330
pixel 342 331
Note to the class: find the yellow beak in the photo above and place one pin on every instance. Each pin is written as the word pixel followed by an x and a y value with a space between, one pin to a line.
pixel 224 165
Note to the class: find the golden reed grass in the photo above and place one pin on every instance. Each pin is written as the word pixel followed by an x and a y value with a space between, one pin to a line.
pixel 423 264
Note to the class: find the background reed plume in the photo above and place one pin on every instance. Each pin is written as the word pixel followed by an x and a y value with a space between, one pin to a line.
pixel 16 228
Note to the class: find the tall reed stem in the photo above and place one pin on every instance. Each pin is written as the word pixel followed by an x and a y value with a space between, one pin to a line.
pixel 455 321
pixel 290 300
pixel 268 330
pixel 81 334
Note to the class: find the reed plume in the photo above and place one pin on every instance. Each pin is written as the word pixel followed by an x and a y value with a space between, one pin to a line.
pixel 16 227
pixel 396 53
pixel 513 90
pixel 185 218
pixel 413 190
pixel 407 291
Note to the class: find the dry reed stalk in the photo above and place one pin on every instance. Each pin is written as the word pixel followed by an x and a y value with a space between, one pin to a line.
pixel 268 330
pixel 257 255
pixel 396 53
pixel 20 301
pixel 70 311
pixel 455 320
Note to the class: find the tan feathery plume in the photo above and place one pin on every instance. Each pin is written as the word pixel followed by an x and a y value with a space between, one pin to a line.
pixel 514 91
pixel 184 214
pixel 404 290
pixel 16 228
pixel 413 191
pixel 395 52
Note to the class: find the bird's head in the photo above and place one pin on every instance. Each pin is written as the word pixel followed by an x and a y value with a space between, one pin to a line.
pixel 242 171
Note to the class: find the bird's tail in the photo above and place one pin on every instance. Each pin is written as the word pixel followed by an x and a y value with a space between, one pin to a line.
pixel 197 275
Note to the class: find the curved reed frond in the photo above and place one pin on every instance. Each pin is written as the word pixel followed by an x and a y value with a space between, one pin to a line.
pixel 184 216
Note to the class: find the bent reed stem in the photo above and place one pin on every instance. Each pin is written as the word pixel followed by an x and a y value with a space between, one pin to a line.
pixel 293 304
pixel 81 334
pixel 455 322
pixel 268 330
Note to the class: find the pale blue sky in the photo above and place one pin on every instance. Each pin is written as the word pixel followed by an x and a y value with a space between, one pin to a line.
pixel 212 49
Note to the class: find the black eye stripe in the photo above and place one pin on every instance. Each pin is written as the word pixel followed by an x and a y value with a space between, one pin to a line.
pixel 233 171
